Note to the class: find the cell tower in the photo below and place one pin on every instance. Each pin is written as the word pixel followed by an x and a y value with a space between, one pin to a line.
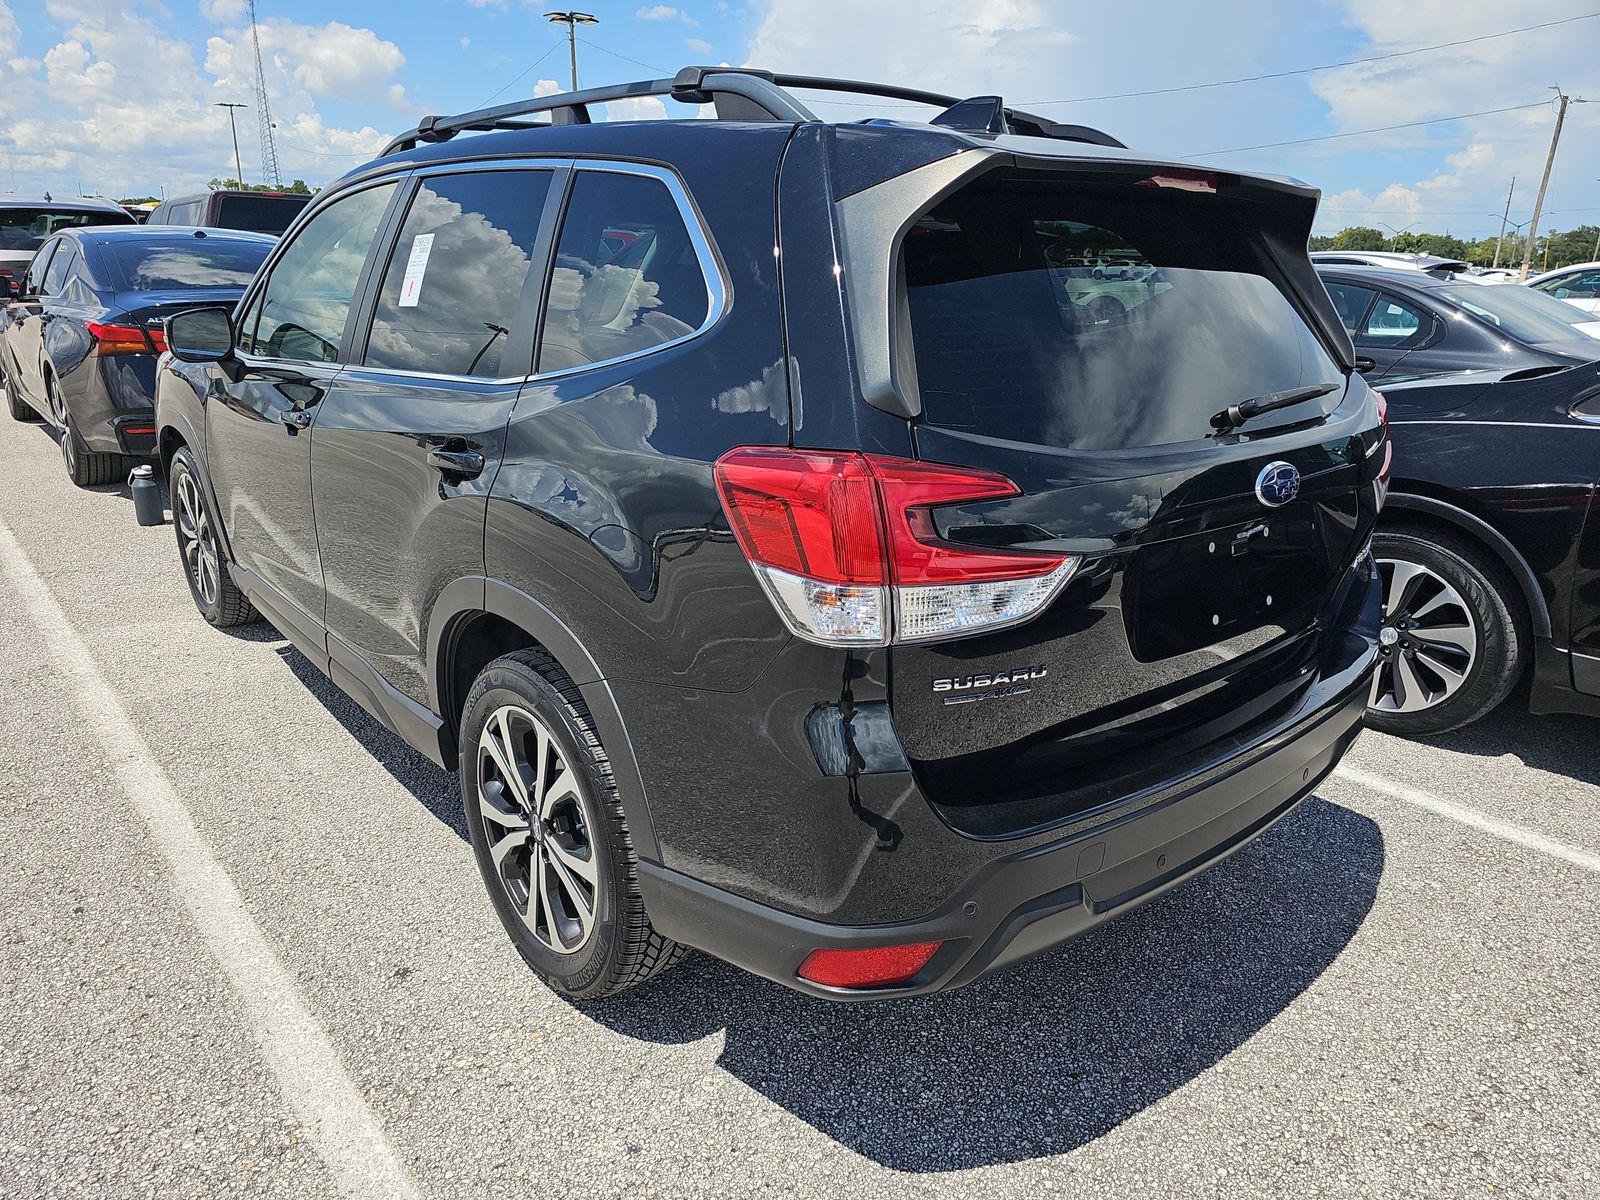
pixel 269 151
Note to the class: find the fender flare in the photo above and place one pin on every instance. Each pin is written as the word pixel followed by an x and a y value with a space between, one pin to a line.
pixel 1482 531
pixel 466 598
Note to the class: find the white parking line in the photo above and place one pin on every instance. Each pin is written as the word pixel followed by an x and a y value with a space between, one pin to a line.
pixel 310 1074
pixel 1519 834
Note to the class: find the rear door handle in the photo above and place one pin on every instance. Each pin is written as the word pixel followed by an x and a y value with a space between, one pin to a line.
pixel 464 464
pixel 297 418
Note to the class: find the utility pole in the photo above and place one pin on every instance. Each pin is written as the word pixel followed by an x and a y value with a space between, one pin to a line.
pixel 1503 218
pixel 238 166
pixel 1544 183
pixel 572 20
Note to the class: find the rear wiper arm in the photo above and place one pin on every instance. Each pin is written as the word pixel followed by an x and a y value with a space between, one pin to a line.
pixel 1236 415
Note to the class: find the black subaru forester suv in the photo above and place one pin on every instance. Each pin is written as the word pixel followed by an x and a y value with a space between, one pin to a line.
pixel 801 552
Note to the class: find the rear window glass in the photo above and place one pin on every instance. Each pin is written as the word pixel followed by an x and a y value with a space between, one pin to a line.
pixel 1098 316
pixel 1523 313
pixel 147 264
pixel 259 214
pixel 27 228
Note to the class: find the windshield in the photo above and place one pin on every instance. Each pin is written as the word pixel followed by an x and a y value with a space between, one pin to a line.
pixel 259 214
pixel 1099 316
pixel 27 228
pixel 1519 312
pixel 149 264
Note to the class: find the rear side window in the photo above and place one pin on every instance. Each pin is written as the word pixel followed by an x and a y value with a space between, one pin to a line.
pixel 66 258
pixel 33 282
pixel 259 214
pixel 1098 315
pixel 1396 324
pixel 626 276
pixel 303 308
pixel 153 264
pixel 450 295
pixel 1580 285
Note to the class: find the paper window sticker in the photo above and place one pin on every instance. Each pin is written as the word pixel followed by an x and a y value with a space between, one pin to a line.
pixel 416 267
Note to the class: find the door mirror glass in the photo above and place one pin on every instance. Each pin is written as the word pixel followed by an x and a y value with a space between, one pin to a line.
pixel 200 335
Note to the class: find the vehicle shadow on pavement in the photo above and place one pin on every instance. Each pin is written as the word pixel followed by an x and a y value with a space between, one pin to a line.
pixel 1562 745
pixel 1059 1050
pixel 436 789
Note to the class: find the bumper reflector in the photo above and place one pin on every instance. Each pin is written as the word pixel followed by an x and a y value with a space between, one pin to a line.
pixel 875 967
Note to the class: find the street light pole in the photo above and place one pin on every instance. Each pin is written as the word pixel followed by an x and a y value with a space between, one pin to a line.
pixel 1395 240
pixel 572 20
pixel 238 167
pixel 1503 217
pixel 1544 183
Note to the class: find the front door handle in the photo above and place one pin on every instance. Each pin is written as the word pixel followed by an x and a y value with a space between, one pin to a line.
pixel 463 464
pixel 296 418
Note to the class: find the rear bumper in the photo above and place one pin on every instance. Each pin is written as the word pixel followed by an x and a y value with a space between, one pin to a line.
pixel 1032 900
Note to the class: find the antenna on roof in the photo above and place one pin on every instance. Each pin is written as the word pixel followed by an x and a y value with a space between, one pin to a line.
pixel 269 151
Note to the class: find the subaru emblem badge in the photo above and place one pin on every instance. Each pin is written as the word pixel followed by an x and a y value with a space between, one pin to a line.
pixel 1278 483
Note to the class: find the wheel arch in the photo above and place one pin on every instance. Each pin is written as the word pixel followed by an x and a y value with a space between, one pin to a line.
pixel 1427 510
pixel 476 620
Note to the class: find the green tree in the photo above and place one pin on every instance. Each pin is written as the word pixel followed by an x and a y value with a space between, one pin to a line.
pixel 297 188
pixel 1564 249
pixel 1359 237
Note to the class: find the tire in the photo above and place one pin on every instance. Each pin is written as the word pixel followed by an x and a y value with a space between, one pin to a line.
pixel 85 467
pixel 215 594
pixel 19 408
pixel 1457 635
pixel 580 847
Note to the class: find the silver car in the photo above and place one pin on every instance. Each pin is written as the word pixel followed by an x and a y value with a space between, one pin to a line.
pixel 26 222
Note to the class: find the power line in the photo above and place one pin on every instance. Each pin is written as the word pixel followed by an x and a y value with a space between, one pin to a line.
pixel 1328 137
pixel 606 50
pixel 554 46
pixel 1353 62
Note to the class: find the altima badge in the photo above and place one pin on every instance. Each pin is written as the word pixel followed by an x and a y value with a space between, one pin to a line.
pixel 1278 483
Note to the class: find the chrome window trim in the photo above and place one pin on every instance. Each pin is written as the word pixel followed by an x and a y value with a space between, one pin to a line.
pixel 718 289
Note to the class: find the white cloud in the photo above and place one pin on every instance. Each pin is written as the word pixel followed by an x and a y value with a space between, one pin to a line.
pixel 222 12
pixel 121 103
pixel 698 45
pixel 548 87
pixel 665 12
pixel 466 42
pixel 636 108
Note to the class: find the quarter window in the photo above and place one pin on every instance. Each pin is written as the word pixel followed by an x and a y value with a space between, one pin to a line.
pixel 626 276
pixel 450 295
pixel 303 308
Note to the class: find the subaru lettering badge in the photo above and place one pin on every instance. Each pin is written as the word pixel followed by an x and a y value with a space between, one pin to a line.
pixel 1278 483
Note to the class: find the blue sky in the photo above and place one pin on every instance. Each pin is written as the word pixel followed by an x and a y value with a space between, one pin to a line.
pixel 120 98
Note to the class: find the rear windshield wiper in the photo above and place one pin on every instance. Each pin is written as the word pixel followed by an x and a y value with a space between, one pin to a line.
pixel 1236 415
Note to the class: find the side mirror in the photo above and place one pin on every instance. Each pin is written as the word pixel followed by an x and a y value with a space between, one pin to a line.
pixel 1366 364
pixel 201 335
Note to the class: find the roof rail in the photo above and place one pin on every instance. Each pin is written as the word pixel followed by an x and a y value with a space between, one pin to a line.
pixel 739 94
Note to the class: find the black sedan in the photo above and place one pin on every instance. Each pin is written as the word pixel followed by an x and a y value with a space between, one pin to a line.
pixel 78 346
pixel 1407 322
pixel 1489 546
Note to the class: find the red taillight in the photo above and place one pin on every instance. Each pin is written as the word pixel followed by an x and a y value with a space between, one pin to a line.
pixel 119 339
pixel 877 967
pixel 139 429
pixel 158 339
pixel 846 547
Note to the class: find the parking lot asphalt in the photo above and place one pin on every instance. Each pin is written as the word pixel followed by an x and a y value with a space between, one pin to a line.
pixel 244 950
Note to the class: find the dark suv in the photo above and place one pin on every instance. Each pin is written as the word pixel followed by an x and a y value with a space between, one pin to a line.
pixel 793 556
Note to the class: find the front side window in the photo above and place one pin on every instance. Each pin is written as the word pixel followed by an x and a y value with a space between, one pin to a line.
pixel 1098 315
pixel 1351 303
pixel 303 308
pixel 626 276
pixel 450 295
pixel 1395 324
pixel 33 282
pixel 1578 285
